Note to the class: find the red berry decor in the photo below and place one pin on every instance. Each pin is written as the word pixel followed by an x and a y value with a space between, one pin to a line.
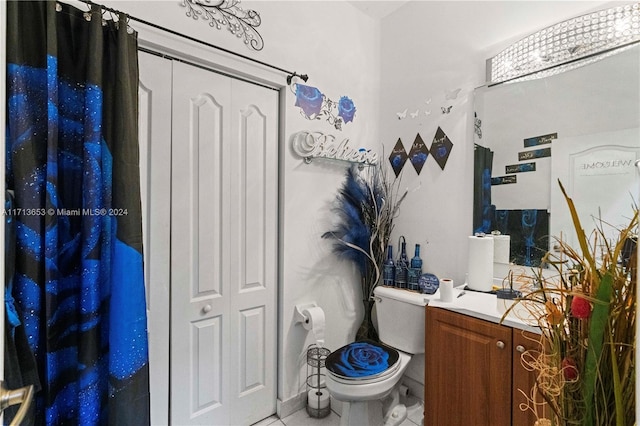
pixel 569 369
pixel 580 307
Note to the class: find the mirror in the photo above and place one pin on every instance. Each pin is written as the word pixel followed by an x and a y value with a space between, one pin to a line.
pixel 582 127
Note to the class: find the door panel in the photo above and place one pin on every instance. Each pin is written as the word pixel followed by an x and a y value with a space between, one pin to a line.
pixel 199 275
pixel 223 264
pixel 207 342
pixel 252 350
pixel 205 190
pixel 154 123
pixel 254 178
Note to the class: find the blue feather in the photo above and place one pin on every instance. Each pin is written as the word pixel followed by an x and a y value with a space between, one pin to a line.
pixel 355 202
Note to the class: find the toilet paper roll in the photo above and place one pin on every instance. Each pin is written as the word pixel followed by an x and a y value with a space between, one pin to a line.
pixel 315 322
pixel 446 290
pixel 501 248
pixel 318 399
pixel 480 263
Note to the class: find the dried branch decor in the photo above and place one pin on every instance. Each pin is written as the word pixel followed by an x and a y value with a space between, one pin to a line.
pixel 585 371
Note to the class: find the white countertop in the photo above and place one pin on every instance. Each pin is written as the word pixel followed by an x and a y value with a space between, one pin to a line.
pixel 484 306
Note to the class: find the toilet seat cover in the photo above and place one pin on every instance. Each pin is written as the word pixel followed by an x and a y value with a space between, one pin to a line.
pixel 362 360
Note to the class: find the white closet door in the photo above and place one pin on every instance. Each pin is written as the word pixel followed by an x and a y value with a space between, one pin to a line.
pixel 154 93
pixel 223 261
pixel 254 205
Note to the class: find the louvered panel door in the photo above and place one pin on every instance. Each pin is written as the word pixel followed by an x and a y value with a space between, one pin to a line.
pixel 223 261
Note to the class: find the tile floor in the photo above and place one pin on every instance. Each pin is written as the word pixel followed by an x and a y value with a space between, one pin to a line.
pixel 301 418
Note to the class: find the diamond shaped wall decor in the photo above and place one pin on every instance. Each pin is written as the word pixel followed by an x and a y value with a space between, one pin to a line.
pixel 418 153
pixel 398 157
pixel 441 148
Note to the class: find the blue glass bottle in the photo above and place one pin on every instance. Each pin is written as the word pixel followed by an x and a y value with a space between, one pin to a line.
pixel 402 266
pixel 415 270
pixel 389 268
pixel 416 261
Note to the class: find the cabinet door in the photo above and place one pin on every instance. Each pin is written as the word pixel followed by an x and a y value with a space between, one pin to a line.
pixel 467 371
pixel 524 409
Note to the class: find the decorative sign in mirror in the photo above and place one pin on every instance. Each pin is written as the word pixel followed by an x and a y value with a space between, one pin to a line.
pixel 581 127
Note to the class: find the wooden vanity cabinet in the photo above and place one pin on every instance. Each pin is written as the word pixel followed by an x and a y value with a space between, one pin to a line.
pixel 467 371
pixel 473 372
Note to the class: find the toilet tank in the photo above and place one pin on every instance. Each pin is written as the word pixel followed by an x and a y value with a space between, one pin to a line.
pixel 400 316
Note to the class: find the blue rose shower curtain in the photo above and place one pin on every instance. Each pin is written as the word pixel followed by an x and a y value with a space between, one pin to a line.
pixel 483 210
pixel 72 162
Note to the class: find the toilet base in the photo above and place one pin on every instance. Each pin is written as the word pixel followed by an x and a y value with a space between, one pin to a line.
pixel 353 413
pixel 385 412
pixel 396 416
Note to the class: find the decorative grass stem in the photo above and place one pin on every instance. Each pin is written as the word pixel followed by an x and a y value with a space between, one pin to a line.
pixel 586 314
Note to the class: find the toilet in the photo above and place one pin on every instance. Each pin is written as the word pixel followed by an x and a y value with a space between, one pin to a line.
pixel 366 375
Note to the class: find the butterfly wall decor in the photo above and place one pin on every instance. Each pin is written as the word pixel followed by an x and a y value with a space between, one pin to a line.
pixel 451 94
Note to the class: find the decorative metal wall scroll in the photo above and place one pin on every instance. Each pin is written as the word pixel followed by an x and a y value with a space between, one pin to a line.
pixel 227 13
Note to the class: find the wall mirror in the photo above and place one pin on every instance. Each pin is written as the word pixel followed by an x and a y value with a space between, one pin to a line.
pixel 581 126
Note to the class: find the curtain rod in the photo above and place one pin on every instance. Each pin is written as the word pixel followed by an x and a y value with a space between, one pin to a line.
pixel 290 74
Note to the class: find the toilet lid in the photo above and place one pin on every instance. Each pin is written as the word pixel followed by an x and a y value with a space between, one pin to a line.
pixel 362 360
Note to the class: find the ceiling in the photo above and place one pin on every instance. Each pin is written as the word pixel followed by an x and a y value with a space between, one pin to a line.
pixel 485 25
pixel 378 9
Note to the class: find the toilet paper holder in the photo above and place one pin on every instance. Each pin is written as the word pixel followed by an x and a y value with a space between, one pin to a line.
pixel 298 314
pixel 318 400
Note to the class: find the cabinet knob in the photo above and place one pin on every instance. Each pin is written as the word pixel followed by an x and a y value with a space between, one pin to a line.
pixel 500 344
pixel 520 348
pixel 206 309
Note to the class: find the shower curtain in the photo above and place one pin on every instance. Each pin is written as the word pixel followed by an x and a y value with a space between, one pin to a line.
pixel 72 162
pixel 483 210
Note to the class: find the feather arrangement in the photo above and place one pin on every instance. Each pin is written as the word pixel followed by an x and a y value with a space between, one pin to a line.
pixel 367 205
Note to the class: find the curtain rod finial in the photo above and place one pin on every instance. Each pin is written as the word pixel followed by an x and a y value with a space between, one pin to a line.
pixel 303 77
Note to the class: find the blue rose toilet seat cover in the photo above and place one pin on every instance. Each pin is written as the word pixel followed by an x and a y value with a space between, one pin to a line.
pixel 363 359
